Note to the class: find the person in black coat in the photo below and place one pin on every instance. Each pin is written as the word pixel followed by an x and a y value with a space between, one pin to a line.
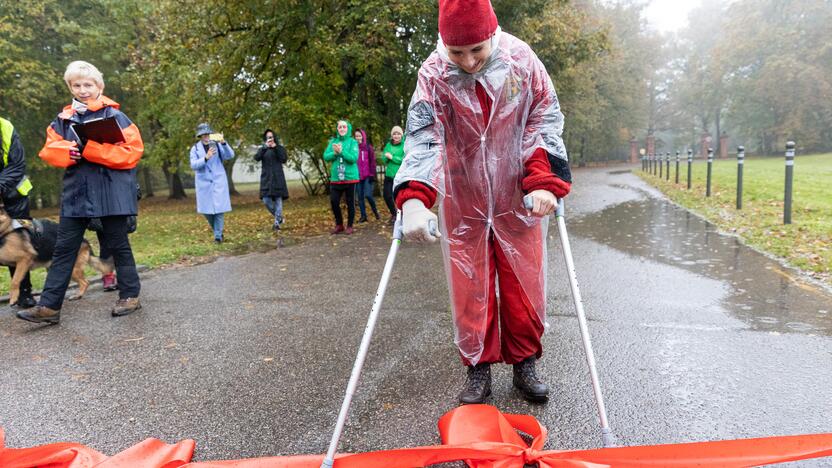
pixel 14 191
pixel 273 189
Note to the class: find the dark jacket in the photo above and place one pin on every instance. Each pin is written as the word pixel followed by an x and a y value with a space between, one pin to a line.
pixel 102 183
pixel 17 206
pixel 272 179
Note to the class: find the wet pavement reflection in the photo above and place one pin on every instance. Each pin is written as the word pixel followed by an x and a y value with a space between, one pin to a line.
pixel 760 291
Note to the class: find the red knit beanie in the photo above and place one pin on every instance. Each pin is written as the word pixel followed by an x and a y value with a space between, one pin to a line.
pixel 465 22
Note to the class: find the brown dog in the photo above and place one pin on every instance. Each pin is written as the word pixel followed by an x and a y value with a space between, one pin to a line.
pixel 28 244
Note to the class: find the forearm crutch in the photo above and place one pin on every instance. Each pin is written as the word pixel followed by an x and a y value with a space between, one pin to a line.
pixel 607 437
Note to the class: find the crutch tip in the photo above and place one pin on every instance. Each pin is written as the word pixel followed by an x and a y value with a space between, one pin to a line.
pixel 608 439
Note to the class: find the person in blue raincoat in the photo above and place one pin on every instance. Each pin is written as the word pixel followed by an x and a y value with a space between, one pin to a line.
pixel 212 198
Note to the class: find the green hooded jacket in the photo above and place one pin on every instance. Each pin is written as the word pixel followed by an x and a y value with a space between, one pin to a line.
pixel 391 166
pixel 344 168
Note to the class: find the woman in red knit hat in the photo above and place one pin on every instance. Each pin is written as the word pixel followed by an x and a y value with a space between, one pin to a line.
pixel 483 130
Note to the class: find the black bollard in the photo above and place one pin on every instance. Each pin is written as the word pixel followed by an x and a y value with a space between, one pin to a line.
pixel 677 167
pixel 653 164
pixel 649 163
pixel 667 168
pixel 710 163
pixel 740 163
pixel 690 162
pixel 787 206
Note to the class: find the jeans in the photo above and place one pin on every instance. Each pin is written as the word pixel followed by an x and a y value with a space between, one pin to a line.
pixel 365 190
pixel 335 191
pixel 217 223
pixel 70 236
pixel 388 195
pixel 275 207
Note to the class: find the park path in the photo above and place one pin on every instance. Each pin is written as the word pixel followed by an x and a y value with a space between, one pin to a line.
pixel 696 336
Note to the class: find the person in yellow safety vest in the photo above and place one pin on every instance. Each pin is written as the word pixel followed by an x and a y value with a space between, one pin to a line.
pixel 14 193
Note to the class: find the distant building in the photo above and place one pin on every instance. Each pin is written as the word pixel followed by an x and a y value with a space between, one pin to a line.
pixel 247 170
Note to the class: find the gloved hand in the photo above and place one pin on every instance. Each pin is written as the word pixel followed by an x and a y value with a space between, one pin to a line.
pixel 543 202
pixel 416 222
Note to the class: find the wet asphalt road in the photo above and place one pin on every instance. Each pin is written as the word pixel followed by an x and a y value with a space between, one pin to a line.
pixel 696 336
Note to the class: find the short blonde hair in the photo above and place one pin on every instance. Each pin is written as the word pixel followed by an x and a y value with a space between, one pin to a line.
pixel 80 69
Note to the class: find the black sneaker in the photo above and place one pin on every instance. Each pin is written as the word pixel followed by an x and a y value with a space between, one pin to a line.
pixel 526 381
pixel 477 386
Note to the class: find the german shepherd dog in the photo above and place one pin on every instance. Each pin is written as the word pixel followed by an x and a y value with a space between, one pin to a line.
pixel 30 244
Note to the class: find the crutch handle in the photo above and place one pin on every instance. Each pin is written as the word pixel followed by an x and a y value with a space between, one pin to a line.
pixel 528 203
pixel 398 232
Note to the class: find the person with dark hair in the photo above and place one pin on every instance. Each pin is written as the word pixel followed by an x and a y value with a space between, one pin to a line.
pixel 273 190
pixel 366 175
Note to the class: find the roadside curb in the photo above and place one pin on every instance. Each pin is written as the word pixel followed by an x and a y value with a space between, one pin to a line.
pixel 4 299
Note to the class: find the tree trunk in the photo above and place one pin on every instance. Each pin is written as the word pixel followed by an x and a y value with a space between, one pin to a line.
pixel 229 171
pixel 148 182
pixel 718 134
pixel 177 190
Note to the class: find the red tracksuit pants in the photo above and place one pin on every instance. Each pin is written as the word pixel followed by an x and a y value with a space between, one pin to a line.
pixel 512 325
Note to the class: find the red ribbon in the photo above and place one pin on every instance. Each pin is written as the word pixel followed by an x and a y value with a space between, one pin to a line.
pixel 478 434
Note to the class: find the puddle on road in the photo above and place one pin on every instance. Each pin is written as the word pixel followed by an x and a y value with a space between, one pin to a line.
pixel 762 293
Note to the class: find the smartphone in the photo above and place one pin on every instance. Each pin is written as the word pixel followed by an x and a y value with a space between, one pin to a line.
pixel 216 137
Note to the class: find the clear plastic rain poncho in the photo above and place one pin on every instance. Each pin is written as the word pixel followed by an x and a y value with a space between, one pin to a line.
pixel 477 170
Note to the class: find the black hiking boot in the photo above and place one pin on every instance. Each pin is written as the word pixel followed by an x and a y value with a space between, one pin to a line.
pixel 526 380
pixel 477 386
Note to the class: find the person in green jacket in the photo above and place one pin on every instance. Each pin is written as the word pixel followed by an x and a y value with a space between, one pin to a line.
pixel 342 152
pixel 391 157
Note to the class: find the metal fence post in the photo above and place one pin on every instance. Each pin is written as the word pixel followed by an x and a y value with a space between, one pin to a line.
pixel 690 162
pixel 677 166
pixel 740 163
pixel 787 206
pixel 667 168
pixel 710 165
